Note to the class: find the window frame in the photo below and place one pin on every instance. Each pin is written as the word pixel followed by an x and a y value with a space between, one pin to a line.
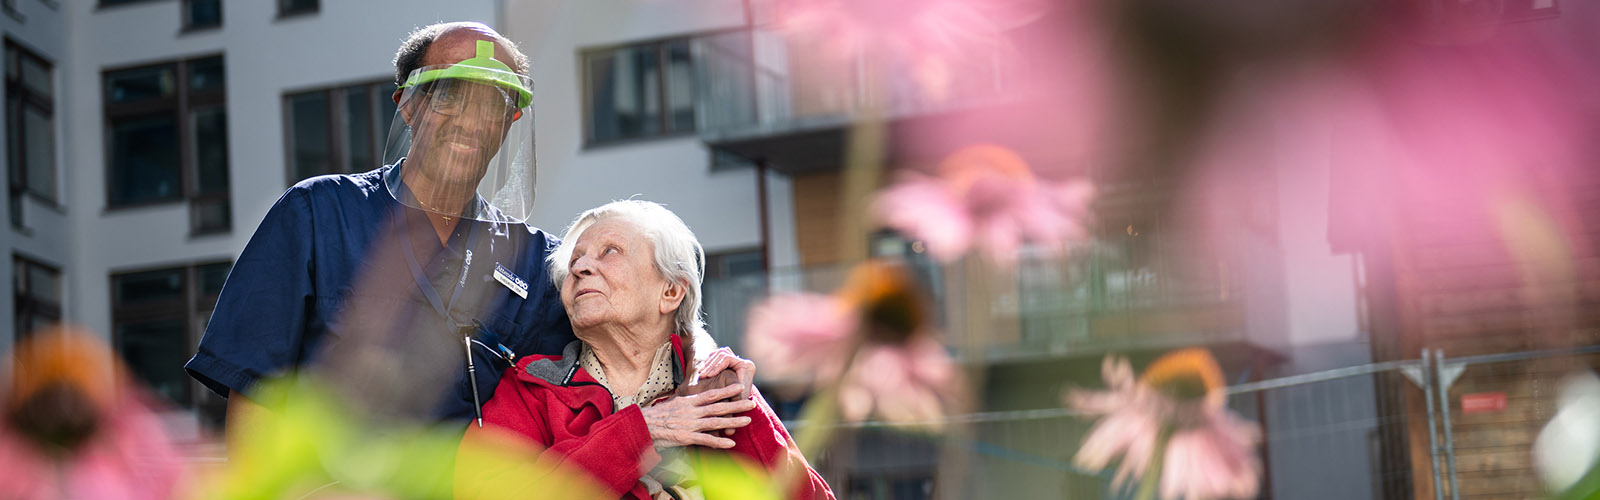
pixel 339 155
pixel 181 105
pixel 586 56
pixel 28 99
pixel 25 306
pixel 190 307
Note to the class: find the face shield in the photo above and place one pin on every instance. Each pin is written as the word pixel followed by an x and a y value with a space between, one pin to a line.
pixel 463 137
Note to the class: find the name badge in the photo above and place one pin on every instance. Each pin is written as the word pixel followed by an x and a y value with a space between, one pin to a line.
pixel 511 281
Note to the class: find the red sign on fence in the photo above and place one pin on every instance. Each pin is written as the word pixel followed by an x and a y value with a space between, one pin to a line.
pixel 1483 402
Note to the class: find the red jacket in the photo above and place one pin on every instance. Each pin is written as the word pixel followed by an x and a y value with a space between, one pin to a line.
pixel 552 402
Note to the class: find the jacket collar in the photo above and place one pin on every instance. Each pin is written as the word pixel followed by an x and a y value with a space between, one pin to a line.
pixel 563 370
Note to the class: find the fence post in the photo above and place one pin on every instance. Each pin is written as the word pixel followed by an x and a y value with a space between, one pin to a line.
pixel 1446 376
pixel 1423 377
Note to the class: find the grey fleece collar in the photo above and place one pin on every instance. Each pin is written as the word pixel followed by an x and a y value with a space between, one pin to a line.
pixel 560 371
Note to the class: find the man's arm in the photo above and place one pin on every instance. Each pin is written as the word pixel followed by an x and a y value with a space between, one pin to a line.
pixel 241 413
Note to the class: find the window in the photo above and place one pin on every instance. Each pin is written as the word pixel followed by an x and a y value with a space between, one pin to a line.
pixel 733 282
pixel 113 3
pixel 202 14
pixel 36 291
pixel 157 319
pixel 30 126
pixel 337 130
pixel 168 132
pixel 656 88
pixel 296 7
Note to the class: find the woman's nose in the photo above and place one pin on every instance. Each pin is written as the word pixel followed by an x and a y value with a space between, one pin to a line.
pixel 582 267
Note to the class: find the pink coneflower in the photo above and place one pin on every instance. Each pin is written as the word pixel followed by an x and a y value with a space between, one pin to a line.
pixel 872 338
pixel 985 197
pixel 69 431
pixel 1171 425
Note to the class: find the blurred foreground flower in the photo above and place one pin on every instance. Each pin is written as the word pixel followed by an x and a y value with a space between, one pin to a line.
pixel 985 196
pixel 1170 425
pixel 1567 451
pixel 70 432
pixel 936 40
pixel 871 338
pixel 310 445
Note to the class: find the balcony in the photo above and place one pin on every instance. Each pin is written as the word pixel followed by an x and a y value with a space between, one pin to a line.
pixel 771 102
pixel 1134 293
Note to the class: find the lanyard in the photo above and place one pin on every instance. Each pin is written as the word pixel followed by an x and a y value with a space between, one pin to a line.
pixel 426 285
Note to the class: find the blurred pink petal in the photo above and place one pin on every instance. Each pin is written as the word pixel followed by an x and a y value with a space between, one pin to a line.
pixel 1214 460
pixel 800 337
pixel 906 383
pixel 985 197
pixel 926 210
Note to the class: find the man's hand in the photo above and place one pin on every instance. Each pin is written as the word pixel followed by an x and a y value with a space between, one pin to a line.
pixel 723 359
pixel 688 420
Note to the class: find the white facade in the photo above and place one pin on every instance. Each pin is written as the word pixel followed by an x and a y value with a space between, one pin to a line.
pixel 721 207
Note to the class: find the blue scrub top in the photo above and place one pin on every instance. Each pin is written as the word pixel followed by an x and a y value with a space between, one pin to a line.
pixel 325 279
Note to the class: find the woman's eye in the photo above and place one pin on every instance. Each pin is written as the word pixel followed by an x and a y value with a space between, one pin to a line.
pixel 611 250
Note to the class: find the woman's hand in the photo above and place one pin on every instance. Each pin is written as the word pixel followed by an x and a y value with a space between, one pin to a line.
pixel 689 420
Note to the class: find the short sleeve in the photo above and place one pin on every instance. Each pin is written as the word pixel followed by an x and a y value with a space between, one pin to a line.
pixel 258 326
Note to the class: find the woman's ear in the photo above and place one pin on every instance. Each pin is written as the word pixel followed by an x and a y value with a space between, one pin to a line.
pixel 672 297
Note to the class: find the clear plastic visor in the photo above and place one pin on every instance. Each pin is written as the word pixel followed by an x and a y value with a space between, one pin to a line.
pixel 462 143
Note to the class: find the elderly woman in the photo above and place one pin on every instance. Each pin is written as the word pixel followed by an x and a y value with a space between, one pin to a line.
pixel 617 406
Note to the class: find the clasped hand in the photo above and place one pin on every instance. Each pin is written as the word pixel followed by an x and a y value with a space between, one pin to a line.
pixel 690 420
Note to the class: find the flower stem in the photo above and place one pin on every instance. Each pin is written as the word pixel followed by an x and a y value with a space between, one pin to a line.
pixel 1152 472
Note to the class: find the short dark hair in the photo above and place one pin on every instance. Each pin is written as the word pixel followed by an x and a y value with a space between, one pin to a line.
pixel 409 57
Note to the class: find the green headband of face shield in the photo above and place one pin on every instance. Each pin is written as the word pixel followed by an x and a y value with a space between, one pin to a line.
pixel 483 68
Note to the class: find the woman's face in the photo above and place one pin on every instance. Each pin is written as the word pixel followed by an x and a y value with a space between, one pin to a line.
pixel 613 278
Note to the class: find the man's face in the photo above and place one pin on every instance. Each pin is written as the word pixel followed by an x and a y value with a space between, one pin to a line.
pixel 457 125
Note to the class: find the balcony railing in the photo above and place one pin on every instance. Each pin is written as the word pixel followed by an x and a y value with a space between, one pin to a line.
pixel 771 86
pixel 1104 296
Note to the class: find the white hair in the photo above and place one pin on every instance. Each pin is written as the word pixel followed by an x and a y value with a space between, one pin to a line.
pixel 679 258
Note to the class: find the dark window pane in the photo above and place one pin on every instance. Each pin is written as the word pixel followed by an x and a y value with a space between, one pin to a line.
pixel 144 160
pixel 44 285
pixel 309 146
pixel 11 61
pixel 14 131
pixel 210 127
pixel 147 287
pixel 625 88
pixel 36 76
pixel 38 147
pixel 212 276
pixel 140 83
pixel 209 215
pixel 155 351
pixel 296 6
pixel 206 74
pixel 358 130
pixel 203 13
pixel 680 86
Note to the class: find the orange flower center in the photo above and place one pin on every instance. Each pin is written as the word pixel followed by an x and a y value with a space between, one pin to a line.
pixel 1187 375
pixel 887 298
pixel 964 168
